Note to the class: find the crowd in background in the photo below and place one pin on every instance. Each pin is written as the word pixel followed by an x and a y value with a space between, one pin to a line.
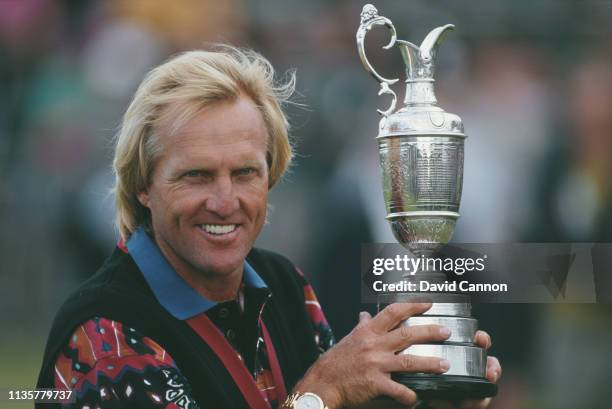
pixel 532 81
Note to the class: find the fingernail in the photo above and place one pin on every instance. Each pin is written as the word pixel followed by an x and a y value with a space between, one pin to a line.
pixel 445 332
pixel 426 305
pixel 444 365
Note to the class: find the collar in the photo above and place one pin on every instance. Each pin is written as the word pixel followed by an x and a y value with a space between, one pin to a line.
pixel 170 289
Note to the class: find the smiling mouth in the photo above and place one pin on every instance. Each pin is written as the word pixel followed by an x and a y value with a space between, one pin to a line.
pixel 218 229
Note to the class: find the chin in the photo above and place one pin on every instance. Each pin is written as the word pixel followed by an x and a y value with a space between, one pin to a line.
pixel 215 258
pixel 222 266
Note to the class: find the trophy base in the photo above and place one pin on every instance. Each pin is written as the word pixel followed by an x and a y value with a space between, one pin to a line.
pixel 446 387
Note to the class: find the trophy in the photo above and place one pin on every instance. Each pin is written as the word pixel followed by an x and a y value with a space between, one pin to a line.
pixel 421 159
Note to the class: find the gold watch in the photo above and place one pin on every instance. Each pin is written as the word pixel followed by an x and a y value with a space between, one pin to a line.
pixel 306 400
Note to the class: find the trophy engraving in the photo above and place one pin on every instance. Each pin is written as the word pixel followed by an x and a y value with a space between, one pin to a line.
pixel 421 149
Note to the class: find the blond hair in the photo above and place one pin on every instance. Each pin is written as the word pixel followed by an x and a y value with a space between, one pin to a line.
pixel 189 82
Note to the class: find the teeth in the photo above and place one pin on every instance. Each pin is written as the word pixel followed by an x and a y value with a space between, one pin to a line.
pixel 218 228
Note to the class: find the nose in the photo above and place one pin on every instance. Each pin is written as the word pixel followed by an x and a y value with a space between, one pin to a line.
pixel 222 200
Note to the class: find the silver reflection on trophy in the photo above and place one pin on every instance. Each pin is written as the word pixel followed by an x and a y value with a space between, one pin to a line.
pixel 421 157
pixel 420 146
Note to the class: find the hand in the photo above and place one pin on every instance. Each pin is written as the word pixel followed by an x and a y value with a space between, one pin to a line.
pixel 359 367
pixel 493 373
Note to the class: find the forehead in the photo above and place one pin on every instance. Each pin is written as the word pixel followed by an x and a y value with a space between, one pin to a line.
pixel 224 125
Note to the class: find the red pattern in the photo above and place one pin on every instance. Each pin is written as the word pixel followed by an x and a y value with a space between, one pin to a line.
pixel 101 345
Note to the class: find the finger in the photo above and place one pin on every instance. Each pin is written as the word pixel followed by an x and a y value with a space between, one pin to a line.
pixel 407 335
pixel 389 317
pixel 494 369
pixel 415 363
pixel 398 392
pixel 482 339
pixel 364 317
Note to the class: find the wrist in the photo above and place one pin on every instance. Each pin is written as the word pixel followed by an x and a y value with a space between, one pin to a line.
pixel 313 383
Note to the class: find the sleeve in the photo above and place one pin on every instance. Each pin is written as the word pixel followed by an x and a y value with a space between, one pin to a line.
pixel 324 337
pixel 109 365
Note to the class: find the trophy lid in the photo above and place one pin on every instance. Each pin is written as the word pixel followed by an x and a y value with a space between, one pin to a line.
pixel 420 114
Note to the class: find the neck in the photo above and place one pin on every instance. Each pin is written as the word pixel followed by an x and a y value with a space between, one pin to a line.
pixel 218 289
pixel 420 92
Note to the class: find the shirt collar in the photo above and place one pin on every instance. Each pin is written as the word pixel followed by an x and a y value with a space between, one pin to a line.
pixel 170 289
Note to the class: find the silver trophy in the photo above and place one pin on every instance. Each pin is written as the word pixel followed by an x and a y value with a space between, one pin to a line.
pixel 421 159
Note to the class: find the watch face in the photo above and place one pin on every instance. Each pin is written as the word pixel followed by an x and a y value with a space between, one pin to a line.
pixel 309 401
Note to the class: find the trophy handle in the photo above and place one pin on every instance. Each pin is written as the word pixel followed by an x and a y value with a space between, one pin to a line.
pixel 370 18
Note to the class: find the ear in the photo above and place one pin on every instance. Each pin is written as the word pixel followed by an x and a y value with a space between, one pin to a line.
pixel 143 198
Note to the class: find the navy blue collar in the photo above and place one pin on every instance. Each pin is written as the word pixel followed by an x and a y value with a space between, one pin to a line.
pixel 170 289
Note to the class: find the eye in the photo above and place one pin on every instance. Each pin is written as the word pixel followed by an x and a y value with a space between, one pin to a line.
pixel 195 173
pixel 245 171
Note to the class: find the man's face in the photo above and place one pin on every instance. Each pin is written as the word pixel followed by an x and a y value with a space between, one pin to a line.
pixel 209 189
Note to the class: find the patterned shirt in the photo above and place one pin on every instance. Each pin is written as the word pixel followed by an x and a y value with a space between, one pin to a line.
pixel 110 365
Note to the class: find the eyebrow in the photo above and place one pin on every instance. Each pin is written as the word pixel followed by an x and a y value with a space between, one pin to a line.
pixel 250 163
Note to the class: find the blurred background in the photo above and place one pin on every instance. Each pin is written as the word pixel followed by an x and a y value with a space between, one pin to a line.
pixel 532 81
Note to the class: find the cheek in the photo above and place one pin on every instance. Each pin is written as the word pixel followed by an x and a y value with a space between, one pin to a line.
pixel 176 204
pixel 256 200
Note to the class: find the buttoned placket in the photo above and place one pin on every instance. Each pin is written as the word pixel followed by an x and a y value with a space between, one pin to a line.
pixel 239 321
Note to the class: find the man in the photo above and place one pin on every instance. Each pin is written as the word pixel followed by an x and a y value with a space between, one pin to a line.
pixel 186 313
